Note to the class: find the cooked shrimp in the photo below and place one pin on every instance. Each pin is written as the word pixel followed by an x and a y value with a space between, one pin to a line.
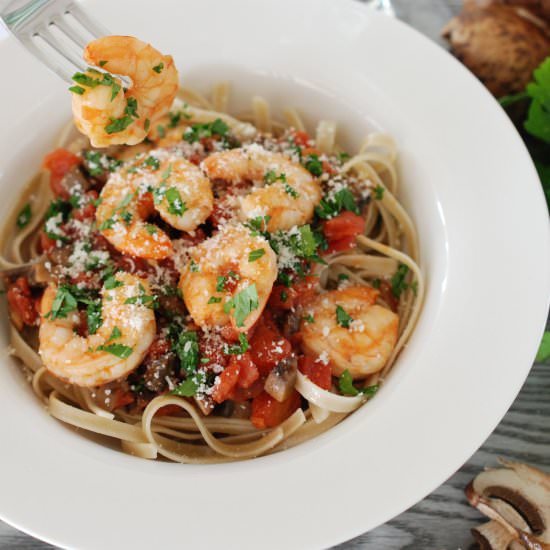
pixel 283 190
pixel 162 182
pixel 229 279
pixel 355 332
pixel 107 113
pixel 116 349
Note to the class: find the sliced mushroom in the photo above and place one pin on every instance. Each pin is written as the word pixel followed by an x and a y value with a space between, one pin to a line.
pixel 282 379
pixel 517 498
pixel 499 45
pixel 492 536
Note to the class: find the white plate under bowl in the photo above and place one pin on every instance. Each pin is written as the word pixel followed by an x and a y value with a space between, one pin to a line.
pixel 484 233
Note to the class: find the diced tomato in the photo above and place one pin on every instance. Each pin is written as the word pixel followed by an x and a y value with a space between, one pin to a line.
pixel 342 230
pixel 59 162
pixel 327 168
pixel 21 301
pixel 168 410
pixel 300 138
pixel 267 412
pixel 87 211
pixel 249 372
pixel 45 242
pixel 227 381
pixel 282 297
pixel 268 346
pixel 346 224
pixel 387 295
pixel 212 348
pixel 340 244
pixel 121 397
pixel 317 371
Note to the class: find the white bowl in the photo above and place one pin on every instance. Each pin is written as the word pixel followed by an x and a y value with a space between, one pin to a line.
pixel 484 233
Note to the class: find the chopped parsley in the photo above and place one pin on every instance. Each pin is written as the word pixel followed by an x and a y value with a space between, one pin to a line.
pixel 376 283
pixel 201 131
pixel 214 300
pixel 345 383
pixel 146 124
pixel 79 90
pixel 243 303
pixel 257 225
pixel 379 192
pixel 102 63
pixel 313 165
pixel 220 283
pixel 342 317
pixel 341 200
pixel 271 177
pixel 143 299
pixel 238 349
pixel 189 387
pixel 114 334
pixel 343 277
pixel 24 216
pixel 193 266
pixel 398 284
pixel 256 254
pixel 152 162
pixel 158 68
pixel 186 347
pixel 150 228
pixel 63 303
pixel 342 157
pixel 283 295
pixel 309 318
pixel 291 191
pixel 176 205
pixel 161 131
pixel 120 124
pixel 93 316
pixel 120 350
pixel 97 163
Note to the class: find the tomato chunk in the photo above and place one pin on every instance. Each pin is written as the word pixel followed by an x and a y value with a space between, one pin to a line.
pixel 268 346
pixel 267 412
pixel 286 298
pixel 227 381
pixel 59 162
pixel 300 138
pixel 45 242
pixel 21 301
pixel 122 398
pixel 249 372
pixel 342 230
pixel 317 371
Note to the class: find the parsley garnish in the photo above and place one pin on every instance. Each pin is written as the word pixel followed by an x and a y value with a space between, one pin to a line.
pixel 342 318
pixel 77 90
pixel 257 225
pixel 153 162
pixel 214 300
pixel 256 254
pixel 24 216
pixel 345 383
pixel 120 350
pixel 243 304
pixel 189 387
pixel 120 124
pixel 200 131
pixel 143 299
pixel 220 283
pixel 193 267
pixel 271 177
pixel 63 303
pixel 309 318
pixel 146 124
pixel 158 68
pixel 544 349
pixel 93 316
pixel 186 347
pixel 398 284
pixel 342 157
pixel 291 191
pixel 114 334
pixel 150 228
pixel 102 63
pixel 313 165
pixel 242 347
pixel 176 205
pixel 96 163
pixel 379 192
pixel 341 200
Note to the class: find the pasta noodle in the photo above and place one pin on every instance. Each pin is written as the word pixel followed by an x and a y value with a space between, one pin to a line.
pixel 188 436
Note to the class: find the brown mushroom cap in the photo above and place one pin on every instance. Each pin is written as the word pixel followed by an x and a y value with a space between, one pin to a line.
pixel 499 46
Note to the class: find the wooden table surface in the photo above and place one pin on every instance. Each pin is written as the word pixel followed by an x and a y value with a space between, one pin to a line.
pixel 442 521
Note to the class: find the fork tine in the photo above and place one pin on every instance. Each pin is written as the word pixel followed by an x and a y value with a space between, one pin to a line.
pixel 91 25
pixel 71 32
pixel 46 34
pixel 48 60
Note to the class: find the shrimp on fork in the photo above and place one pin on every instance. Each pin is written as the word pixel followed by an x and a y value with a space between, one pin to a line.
pixel 108 113
pixel 160 181
pixel 283 190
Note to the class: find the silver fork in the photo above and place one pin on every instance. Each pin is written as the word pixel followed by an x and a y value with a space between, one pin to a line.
pixel 54 31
